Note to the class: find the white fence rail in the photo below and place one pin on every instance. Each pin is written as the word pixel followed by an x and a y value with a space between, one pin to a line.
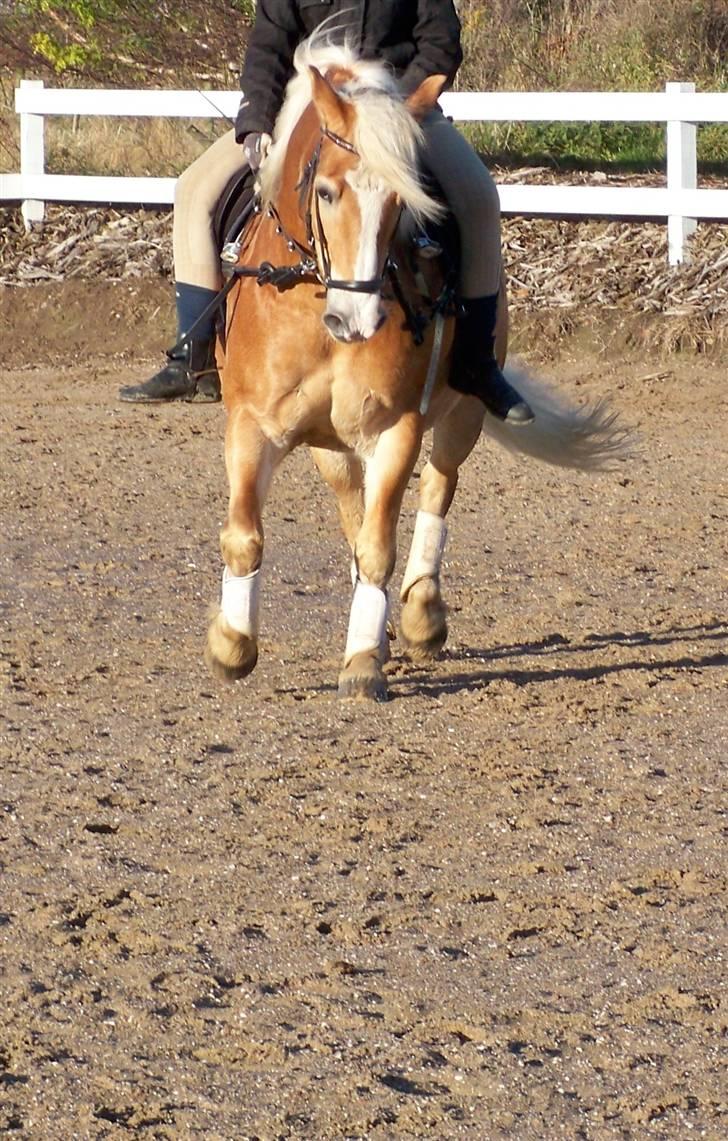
pixel 680 107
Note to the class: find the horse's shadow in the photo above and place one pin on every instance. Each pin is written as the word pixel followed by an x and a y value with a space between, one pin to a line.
pixel 408 679
pixel 412 680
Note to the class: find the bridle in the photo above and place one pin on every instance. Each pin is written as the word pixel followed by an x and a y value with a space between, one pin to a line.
pixel 314 260
pixel 315 255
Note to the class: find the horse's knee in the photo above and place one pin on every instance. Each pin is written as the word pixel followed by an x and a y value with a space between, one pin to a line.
pixel 242 551
pixel 374 560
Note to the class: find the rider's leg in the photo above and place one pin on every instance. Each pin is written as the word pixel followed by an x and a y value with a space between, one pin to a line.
pixel 191 372
pixel 473 198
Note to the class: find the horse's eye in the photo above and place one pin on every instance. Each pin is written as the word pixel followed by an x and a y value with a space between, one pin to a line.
pixel 325 194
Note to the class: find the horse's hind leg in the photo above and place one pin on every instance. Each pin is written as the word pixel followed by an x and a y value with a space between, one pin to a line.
pixel 232 638
pixel 345 476
pixel 423 619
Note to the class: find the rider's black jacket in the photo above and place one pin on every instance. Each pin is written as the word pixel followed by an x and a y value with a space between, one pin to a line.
pixel 417 37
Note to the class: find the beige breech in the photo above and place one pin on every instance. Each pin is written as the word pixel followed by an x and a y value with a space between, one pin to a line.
pixel 472 196
pixel 467 185
pixel 196 195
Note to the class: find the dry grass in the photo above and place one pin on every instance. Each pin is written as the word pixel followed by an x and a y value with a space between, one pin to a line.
pixel 138 147
pixel 600 44
pixel 9 126
pixel 577 45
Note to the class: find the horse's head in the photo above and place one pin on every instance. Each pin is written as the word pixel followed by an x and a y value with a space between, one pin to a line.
pixel 364 172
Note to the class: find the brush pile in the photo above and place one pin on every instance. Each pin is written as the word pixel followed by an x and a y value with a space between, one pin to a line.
pixel 552 265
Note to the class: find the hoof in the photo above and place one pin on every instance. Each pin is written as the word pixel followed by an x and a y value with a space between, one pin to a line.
pixel 363 689
pixel 228 654
pixel 423 621
pixel 363 680
pixel 223 671
pixel 426 651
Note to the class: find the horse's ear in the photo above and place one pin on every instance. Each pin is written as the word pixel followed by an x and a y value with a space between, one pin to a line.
pixel 332 110
pixel 424 99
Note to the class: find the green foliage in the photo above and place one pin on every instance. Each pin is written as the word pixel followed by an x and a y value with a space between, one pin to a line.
pixel 567 144
pixel 68 40
pixel 713 144
pixel 63 56
pixel 626 145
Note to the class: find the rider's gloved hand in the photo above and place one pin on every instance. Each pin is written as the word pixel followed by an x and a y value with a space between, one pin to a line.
pixel 256 146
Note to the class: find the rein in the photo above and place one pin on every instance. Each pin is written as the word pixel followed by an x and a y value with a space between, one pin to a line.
pixel 315 260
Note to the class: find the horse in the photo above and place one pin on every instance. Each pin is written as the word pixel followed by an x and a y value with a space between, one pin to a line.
pixel 320 349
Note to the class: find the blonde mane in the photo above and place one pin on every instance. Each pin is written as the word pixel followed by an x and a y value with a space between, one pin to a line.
pixel 386 135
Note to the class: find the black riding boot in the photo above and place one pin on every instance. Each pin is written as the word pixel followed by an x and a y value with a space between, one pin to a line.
pixel 190 374
pixel 475 371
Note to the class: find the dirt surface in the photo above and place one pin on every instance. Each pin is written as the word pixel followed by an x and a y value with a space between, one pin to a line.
pixel 489 909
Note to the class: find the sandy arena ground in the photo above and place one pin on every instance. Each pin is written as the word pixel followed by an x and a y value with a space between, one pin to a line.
pixel 489 909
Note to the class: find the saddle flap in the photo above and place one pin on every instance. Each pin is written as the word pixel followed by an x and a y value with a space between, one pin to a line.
pixel 233 207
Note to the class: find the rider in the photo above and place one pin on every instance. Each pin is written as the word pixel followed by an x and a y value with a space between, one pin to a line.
pixel 418 38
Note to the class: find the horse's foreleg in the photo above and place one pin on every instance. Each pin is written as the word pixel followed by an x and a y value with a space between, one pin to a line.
pixel 232 638
pixel 375 551
pixel 424 616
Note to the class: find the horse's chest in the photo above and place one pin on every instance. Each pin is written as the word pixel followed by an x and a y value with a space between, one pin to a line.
pixel 359 415
pixel 337 403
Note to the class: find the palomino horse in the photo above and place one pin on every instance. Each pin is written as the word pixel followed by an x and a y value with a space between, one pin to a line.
pixel 326 359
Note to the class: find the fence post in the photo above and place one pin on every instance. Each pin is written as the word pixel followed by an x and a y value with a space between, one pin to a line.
pixel 32 155
pixel 682 174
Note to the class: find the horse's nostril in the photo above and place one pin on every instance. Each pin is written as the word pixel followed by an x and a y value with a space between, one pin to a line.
pixel 335 325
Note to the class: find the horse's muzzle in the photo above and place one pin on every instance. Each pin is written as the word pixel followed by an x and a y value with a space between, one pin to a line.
pixel 361 323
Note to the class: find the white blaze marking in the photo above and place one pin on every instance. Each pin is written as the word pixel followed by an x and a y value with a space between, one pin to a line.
pixel 371 205
pixel 362 310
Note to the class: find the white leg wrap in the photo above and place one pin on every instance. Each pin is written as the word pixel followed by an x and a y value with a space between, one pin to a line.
pixel 367 620
pixel 425 557
pixel 240 598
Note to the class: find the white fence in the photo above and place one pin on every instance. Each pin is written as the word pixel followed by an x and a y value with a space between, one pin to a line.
pixel 680 107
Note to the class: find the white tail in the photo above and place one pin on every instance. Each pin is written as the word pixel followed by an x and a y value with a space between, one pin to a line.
pixel 589 438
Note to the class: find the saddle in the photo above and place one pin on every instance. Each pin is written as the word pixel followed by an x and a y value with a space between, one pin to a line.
pixel 234 208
